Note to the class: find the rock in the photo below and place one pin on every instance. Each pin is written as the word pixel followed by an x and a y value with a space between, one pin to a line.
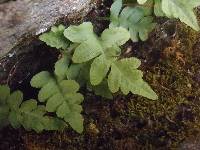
pixel 22 20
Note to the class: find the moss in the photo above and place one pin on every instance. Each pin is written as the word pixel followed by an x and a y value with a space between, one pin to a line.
pixel 175 116
pixel 171 64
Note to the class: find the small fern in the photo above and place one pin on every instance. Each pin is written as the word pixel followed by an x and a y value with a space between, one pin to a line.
pixel 137 20
pixel 103 52
pixel 28 114
pixel 55 38
pixel 93 62
pixel 183 10
pixel 60 94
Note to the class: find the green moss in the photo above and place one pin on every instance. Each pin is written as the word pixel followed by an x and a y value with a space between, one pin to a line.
pixel 134 122
pixel 176 113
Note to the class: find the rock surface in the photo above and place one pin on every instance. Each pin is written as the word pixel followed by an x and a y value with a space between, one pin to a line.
pixel 22 20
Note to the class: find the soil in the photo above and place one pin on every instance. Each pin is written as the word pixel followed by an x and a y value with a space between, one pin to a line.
pixel 171 65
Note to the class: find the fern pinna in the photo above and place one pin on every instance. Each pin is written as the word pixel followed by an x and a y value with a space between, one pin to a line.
pixel 60 95
pixel 30 115
pixel 138 19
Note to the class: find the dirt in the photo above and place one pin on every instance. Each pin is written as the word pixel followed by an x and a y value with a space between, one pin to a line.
pixel 171 65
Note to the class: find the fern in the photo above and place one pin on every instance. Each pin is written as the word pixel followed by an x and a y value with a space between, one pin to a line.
pixel 60 94
pixel 182 9
pixel 90 64
pixel 55 38
pixel 103 52
pixel 101 90
pixel 137 20
pixel 27 114
pixel 81 73
pixel 158 8
pixel 93 62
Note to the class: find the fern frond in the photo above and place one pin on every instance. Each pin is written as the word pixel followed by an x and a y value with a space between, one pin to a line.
pixel 28 114
pixel 61 95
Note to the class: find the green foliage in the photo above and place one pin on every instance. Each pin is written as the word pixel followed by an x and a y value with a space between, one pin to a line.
pixel 103 52
pixel 60 95
pixel 55 38
pixel 124 75
pixel 182 9
pixel 95 64
pixel 102 89
pixel 90 61
pixel 137 20
pixel 158 8
pixel 28 114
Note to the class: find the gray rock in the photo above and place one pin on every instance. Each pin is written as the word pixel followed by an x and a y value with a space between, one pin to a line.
pixel 23 20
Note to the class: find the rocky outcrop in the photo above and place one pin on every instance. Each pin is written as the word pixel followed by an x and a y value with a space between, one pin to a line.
pixel 22 20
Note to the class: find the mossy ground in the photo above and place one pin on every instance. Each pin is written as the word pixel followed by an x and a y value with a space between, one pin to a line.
pixel 171 64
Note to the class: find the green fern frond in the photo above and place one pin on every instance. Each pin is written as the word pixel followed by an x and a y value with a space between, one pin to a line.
pixel 137 20
pixel 55 38
pixel 61 95
pixel 103 52
pixel 28 114
pixel 183 10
